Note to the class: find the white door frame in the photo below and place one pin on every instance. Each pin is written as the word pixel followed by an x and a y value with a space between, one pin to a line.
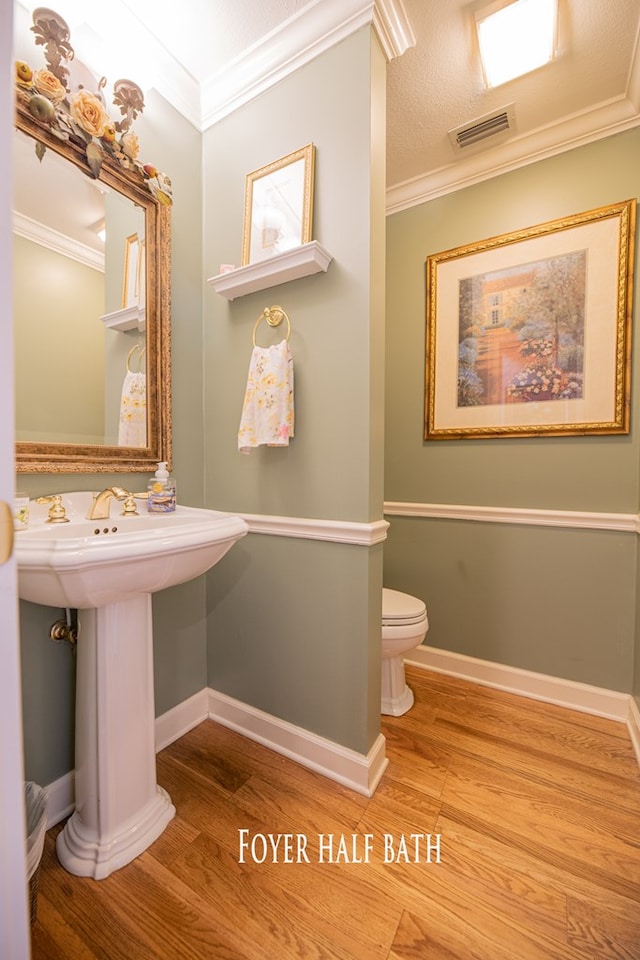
pixel 15 939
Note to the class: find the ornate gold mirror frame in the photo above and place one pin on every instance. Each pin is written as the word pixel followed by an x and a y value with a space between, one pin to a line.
pixel 103 158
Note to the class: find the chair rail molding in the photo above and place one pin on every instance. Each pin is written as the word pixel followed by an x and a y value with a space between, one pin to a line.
pixel 579 519
pixel 335 531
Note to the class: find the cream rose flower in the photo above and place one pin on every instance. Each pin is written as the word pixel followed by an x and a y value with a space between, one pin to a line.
pixel 49 86
pixel 88 112
pixel 130 145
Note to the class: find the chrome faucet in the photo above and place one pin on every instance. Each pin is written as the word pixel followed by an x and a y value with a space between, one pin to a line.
pixel 101 505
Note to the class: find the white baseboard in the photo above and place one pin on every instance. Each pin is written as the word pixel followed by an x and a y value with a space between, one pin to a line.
pixel 61 798
pixel 538 686
pixel 174 723
pixel 361 772
pixel 357 771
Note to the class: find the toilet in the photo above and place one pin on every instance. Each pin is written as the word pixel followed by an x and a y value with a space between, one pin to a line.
pixel 404 626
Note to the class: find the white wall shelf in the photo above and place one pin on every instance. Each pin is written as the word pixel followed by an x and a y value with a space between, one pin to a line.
pixel 128 318
pixel 302 261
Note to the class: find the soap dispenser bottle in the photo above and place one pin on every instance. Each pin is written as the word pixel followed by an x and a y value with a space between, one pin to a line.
pixel 161 491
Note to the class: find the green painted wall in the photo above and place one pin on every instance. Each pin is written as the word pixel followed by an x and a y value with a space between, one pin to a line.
pixel 558 601
pixel 58 339
pixel 294 625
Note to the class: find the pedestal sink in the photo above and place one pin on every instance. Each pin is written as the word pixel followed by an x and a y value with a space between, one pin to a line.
pixel 108 570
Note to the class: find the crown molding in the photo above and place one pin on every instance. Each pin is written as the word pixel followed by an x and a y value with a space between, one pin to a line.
pixel 604 120
pixel 302 38
pixel 57 242
pixel 392 27
pixel 316 28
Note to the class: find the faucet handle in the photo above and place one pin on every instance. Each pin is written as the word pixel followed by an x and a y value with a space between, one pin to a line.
pixel 130 508
pixel 57 513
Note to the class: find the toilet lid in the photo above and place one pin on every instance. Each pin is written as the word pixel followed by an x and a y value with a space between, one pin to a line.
pixel 401 607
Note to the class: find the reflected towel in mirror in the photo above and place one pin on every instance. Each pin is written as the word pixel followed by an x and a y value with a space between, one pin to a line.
pixel 132 430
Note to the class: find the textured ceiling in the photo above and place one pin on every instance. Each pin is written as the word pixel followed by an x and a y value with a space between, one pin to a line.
pixel 437 84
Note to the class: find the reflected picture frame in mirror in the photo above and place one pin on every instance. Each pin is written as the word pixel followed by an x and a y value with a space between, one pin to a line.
pixel 131 271
pixel 278 206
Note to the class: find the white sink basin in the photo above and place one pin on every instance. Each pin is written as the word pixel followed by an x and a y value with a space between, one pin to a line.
pixel 108 570
pixel 90 563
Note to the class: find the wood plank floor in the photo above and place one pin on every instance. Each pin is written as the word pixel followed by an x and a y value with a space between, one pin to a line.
pixel 534 811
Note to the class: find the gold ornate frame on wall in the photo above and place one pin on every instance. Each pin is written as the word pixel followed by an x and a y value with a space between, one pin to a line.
pixel 149 190
pixel 529 333
pixel 278 206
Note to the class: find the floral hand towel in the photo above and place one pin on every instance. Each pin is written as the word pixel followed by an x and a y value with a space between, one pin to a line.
pixel 267 414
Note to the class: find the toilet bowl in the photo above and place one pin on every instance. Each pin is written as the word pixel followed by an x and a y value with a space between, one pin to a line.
pixel 404 626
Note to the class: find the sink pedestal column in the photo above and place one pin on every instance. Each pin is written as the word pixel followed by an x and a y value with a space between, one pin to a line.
pixel 120 809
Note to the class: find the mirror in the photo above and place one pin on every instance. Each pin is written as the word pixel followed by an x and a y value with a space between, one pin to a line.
pixel 92 317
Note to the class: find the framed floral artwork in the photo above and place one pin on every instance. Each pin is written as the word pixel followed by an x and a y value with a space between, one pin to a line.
pixel 529 333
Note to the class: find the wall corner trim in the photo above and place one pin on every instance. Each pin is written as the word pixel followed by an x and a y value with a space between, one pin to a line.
pixel 633 724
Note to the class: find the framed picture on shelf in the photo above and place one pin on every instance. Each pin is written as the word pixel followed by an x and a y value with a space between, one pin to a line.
pixel 529 333
pixel 278 206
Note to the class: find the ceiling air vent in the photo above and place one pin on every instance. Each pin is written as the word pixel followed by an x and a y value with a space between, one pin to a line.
pixel 494 126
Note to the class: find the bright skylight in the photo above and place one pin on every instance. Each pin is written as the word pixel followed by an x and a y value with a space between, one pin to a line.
pixel 516 38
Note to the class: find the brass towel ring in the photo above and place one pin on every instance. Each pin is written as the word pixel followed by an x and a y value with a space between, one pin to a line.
pixel 141 350
pixel 274 316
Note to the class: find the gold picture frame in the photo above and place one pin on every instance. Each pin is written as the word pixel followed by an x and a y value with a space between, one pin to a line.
pixel 278 206
pixel 529 333
pixel 131 272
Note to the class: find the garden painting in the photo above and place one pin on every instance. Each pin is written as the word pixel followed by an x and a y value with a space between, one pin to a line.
pixel 528 333
pixel 522 331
